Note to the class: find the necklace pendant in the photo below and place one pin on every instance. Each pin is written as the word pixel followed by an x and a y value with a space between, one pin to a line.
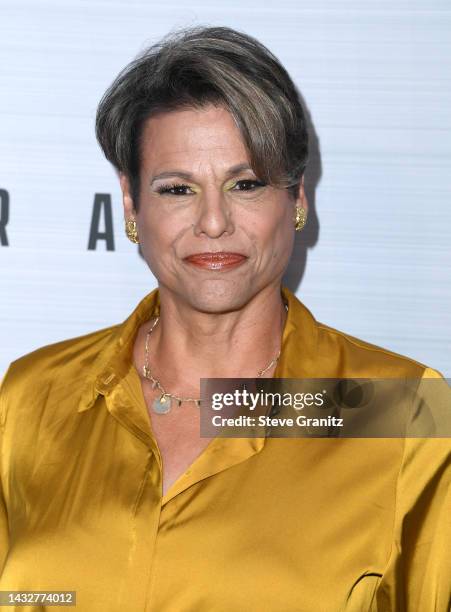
pixel 162 405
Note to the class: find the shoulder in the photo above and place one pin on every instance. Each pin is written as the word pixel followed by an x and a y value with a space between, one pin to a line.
pixel 324 351
pixel 416 397
pixel 356 357
pixel 37 362
pixel 61 363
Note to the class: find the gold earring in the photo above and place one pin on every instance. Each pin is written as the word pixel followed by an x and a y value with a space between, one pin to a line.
pixel 130 230
pixel 300 218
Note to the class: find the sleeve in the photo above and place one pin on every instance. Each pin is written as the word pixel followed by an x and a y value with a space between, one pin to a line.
pixel 4 531
pixel 418 574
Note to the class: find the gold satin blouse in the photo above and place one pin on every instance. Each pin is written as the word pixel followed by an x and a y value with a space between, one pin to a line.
pixel 254 524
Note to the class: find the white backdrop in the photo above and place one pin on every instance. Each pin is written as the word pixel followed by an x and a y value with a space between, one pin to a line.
pixel 375 260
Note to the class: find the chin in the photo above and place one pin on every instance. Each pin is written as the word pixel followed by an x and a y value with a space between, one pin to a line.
pixel 217 296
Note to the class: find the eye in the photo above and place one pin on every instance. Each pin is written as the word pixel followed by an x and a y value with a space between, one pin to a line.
pixel 176 189
pixel 248 185
pixel 180 189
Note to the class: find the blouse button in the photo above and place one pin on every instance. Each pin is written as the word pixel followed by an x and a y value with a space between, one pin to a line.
pixel 108 379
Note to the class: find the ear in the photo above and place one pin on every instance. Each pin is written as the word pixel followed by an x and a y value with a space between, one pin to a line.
pixel 301 199
pixel 127 201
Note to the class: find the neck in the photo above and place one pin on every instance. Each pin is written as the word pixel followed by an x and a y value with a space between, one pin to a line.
pixel 187 344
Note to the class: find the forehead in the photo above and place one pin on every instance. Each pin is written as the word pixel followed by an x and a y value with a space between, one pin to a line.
pixel 192 135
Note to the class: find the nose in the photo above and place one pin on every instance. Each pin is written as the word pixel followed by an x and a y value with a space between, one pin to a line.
pixel 213 215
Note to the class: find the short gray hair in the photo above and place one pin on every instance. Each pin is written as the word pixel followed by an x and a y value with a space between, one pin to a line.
pixel 192 67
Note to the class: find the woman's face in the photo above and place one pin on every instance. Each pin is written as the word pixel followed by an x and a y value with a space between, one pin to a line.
pixel 199 195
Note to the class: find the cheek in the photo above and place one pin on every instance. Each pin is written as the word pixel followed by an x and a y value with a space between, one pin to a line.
pixel 160 237
pixel 274 237
pixel 158 228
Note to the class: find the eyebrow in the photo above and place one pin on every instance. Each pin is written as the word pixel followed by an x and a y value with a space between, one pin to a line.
pixel 188 176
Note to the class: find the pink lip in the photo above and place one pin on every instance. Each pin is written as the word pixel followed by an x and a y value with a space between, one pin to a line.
pixel 216 261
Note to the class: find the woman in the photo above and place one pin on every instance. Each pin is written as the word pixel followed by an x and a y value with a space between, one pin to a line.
pixel 108 488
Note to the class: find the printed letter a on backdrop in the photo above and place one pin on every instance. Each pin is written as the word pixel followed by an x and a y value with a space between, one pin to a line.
pixel 102 202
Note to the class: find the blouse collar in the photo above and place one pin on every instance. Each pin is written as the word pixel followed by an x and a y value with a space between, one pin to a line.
pixel 297 358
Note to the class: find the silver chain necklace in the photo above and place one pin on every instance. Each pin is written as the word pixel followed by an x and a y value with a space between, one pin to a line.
pixel 163 403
